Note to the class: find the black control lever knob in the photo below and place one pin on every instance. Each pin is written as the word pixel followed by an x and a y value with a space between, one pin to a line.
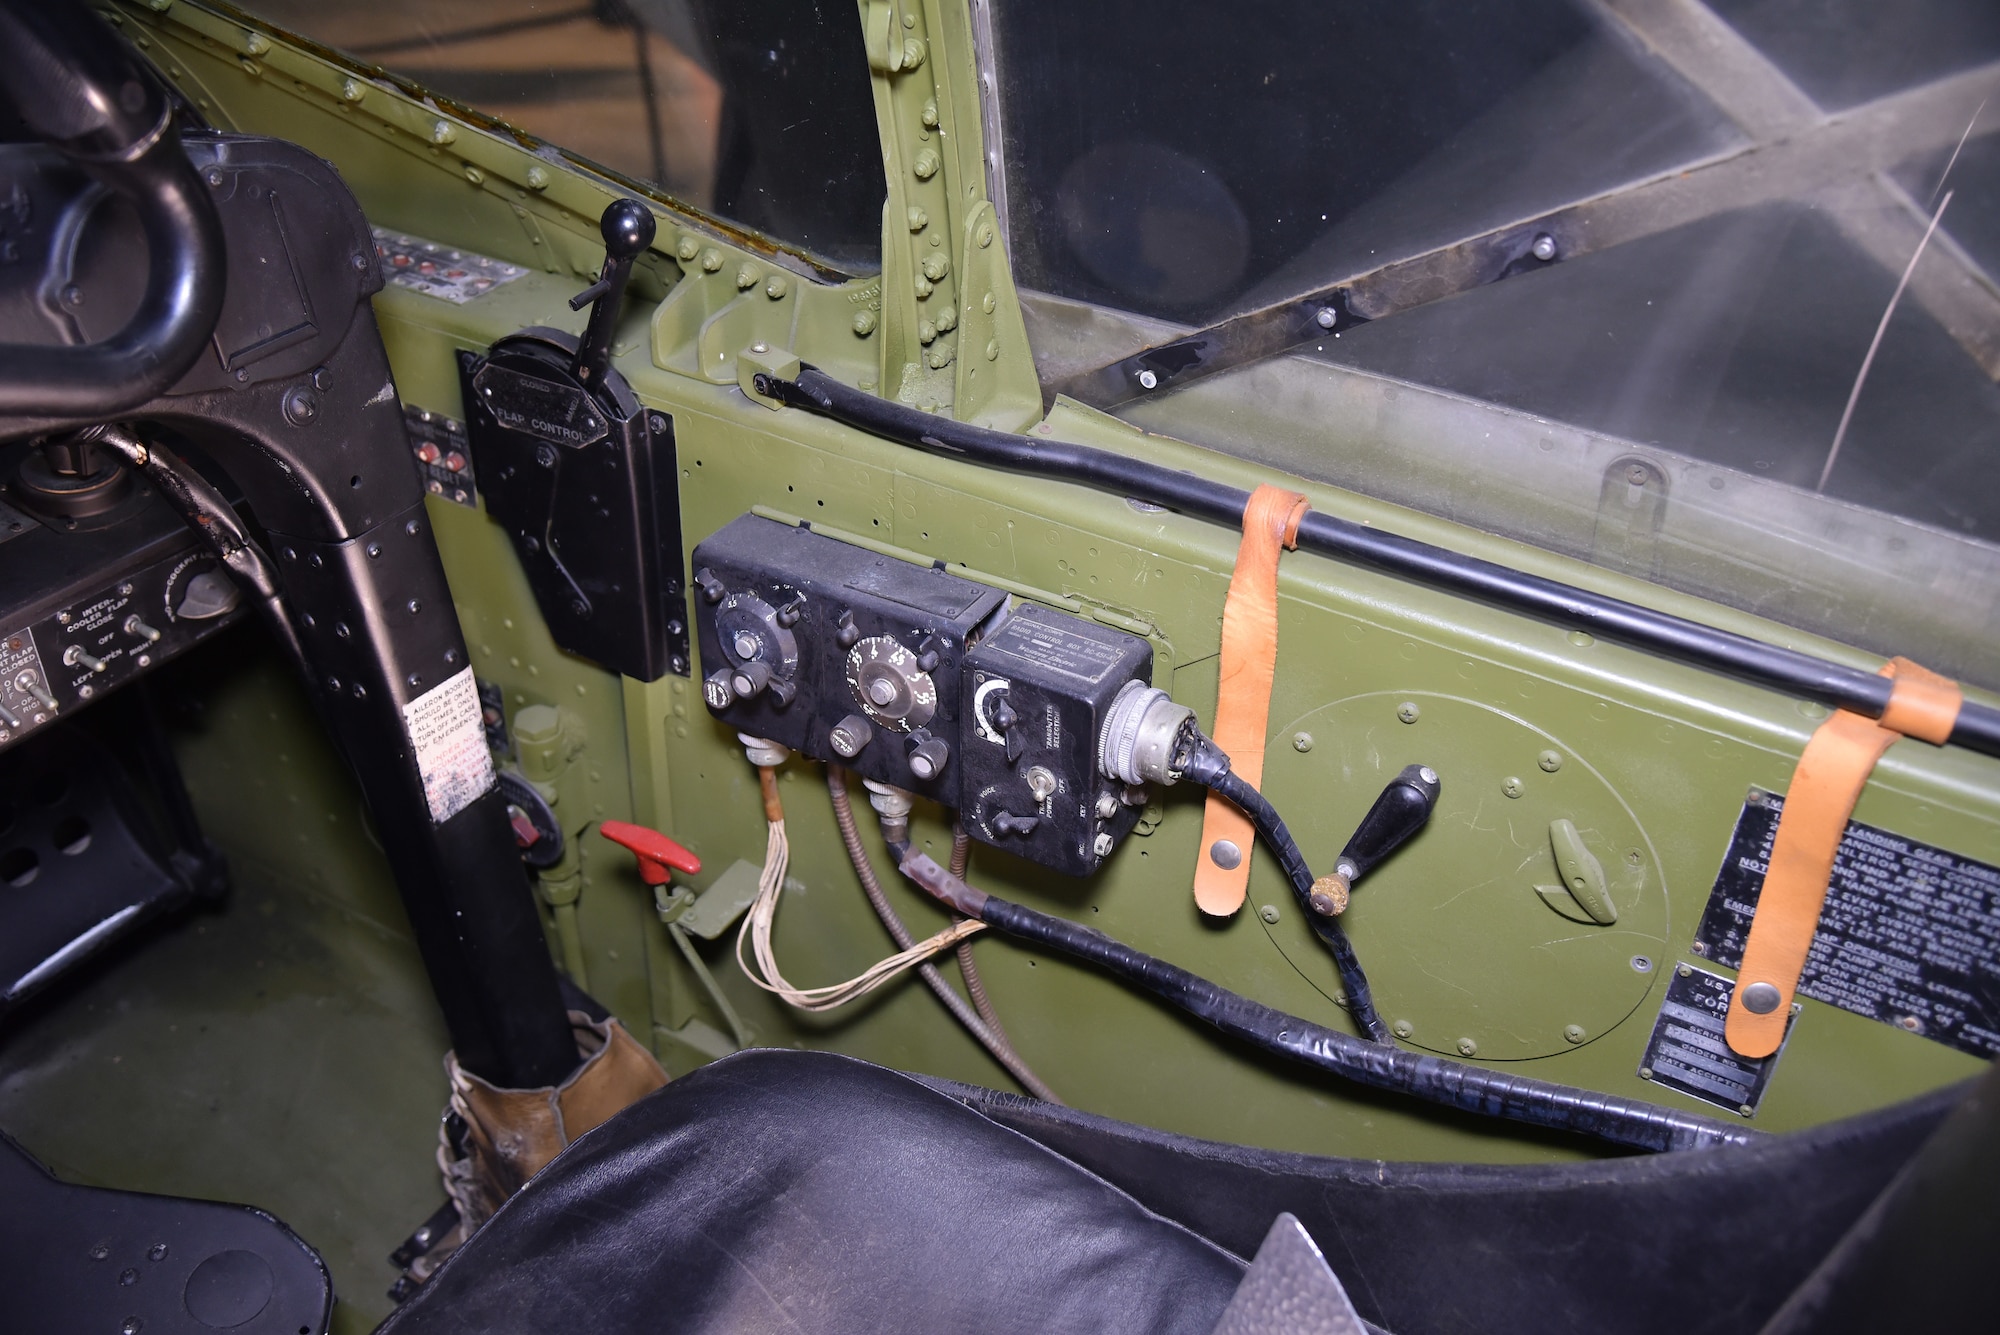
pixel 1403 808
pixel 628 228
pixel 1008 823
pixel 928 755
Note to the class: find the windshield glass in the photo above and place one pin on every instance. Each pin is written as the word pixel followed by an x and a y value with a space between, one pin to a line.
pixel 1727 267
pixel 756 110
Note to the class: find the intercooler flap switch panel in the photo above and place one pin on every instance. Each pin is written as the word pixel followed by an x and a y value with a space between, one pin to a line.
pixel 1039 689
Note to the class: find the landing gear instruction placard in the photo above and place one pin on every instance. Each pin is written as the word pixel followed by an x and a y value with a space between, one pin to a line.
pixel 448 735
pixel 1910 934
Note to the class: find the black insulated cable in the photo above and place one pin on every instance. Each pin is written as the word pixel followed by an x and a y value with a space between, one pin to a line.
pixel 1205 763
pixel 1769 665
pixel 1434 1080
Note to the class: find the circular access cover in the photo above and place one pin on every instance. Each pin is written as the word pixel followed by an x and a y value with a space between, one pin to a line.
pixel 1472 938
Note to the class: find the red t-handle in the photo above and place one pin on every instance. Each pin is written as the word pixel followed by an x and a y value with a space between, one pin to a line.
pixel 656 852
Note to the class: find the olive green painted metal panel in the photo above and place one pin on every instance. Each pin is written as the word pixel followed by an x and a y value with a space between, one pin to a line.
pixel 1655 758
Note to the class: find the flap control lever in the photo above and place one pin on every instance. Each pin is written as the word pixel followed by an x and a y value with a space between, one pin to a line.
pixel 1403 808
pixel 658 855
pixel 628 228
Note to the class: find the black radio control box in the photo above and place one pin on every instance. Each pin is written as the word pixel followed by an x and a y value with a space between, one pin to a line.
pixel 915 677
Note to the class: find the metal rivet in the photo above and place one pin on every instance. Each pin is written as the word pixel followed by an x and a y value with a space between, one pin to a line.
pixel 374 551
pixel 1761 998
pixel 1544 248
pixel 1408 712
pixel 1147 380
pixel 1512 786
pixel 415 607
pixel 1269 913
pixel 1327 317
pixel 1302 741
pixel 1225 854
pixel 1550 761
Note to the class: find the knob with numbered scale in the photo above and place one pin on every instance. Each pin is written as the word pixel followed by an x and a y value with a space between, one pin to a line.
pixel 889 685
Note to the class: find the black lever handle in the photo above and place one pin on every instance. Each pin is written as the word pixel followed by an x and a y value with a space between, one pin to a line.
pixel 1403 808
pixel 628 229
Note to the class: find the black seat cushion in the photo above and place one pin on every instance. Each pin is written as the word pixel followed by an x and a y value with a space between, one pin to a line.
pixel 812 1193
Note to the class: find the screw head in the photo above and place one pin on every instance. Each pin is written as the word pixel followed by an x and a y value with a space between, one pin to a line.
pixel 1573 1033
pixel 1403 1029
pixel 1550 761
pixel 1147 380
pixel 1269 913
pixel 1408 711
pixel 1645 1073
pixel 1641 964
pixel 1302 741
pixel 1512 786
pixel 1745 1109
pixel 1684 971
pixel 1467 1048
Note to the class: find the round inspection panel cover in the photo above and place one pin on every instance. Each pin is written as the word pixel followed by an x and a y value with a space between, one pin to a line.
pixel 1484 935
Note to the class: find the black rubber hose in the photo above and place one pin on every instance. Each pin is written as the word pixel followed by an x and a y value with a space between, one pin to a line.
pixel 77 86
pixel 1202 761
pixel 1435 1080
pixel 1769 665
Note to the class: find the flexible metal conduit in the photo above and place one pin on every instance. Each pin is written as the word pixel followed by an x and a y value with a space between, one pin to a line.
pixel 1434 1080
pixel 1722 651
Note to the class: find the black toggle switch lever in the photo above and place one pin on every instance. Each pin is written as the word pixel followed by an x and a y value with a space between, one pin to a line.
pixel 1403 808
pixel 628 229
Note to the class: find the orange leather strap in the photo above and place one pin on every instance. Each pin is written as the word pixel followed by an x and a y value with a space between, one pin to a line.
pixel 1243 704
pixel 1836 763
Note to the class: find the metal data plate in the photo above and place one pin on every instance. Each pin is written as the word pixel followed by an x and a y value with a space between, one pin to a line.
pixel 1688 1052
pixel 1910 935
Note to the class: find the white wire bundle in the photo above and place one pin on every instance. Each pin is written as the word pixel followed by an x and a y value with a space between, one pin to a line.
pixel 764 910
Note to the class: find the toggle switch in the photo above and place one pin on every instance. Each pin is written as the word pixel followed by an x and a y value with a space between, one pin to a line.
pixel 134 626
pixel 76 655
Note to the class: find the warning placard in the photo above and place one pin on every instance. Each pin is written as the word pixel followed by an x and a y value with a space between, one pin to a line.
pixel 448 735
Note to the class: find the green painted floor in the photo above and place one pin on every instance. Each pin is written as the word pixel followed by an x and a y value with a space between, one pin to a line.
pixel 283 1052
